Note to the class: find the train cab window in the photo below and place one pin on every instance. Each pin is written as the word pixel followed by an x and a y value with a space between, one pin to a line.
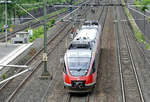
pixel 78 63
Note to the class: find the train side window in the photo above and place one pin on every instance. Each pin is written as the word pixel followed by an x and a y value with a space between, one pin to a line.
pixel 64 69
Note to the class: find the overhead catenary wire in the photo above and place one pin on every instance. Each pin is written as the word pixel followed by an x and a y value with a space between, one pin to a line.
pixel 28 12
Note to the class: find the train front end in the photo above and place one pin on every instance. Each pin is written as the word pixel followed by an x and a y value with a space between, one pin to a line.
pixel 78 74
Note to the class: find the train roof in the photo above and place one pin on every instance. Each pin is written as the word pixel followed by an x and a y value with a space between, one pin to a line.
pixel 87 33
pixel 81 44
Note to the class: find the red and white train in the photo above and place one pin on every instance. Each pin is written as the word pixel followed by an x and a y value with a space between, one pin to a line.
pixel 81 59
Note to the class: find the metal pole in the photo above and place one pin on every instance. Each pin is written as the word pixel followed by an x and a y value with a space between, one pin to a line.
pixel 144 23
pixel 6 22
pixel 45 73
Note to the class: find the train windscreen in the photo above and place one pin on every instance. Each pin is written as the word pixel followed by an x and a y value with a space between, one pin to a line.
pixel 78 63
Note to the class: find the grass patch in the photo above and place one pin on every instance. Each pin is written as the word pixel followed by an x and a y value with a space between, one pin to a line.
pixel 37 33
pixel 138 34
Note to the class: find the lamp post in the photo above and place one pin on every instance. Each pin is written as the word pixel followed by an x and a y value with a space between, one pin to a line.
pixel 45 73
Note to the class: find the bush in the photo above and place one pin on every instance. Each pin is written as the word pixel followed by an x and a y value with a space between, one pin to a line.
pixel 50 23
pixel 37 33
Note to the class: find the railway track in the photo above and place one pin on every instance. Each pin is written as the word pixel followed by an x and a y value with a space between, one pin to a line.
pixel 130 84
